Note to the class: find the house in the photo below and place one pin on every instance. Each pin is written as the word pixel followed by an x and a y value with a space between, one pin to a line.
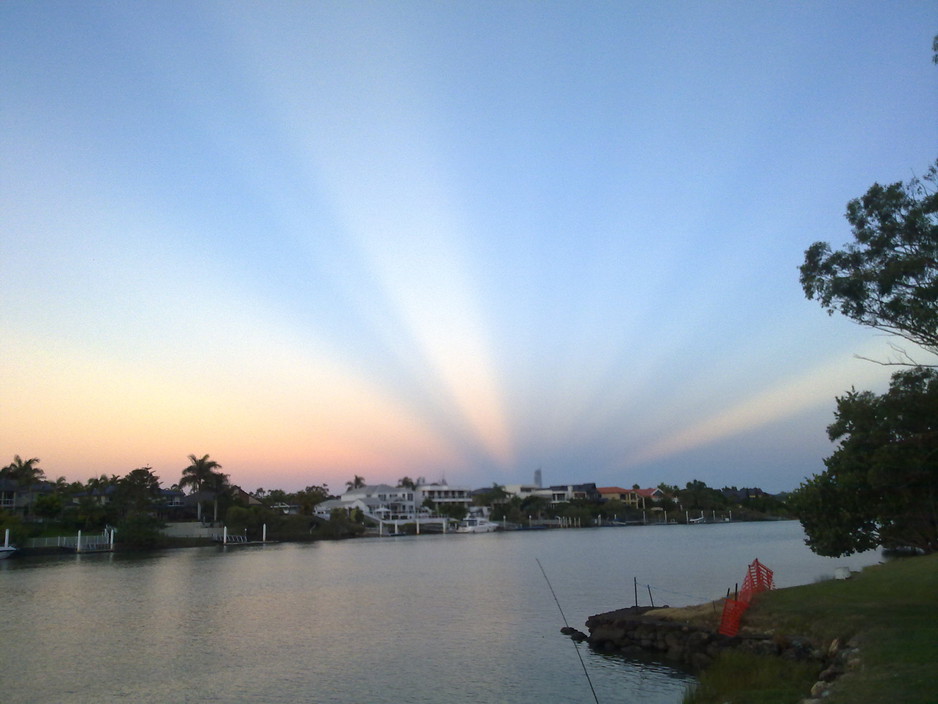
pixel 523 491
pixel 20 499
pixel 617 493
pixel 286 509
pixel 8 491
pixel 240 496
pixel 444 495
pixel 744 494
pixel 172 498
pixel 378 501
pixel 649 497
pixel 564 493
pixel 636 498
pixel 100 495
pixel 396 503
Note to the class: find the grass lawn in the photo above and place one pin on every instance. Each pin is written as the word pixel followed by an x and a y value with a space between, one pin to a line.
pixel 890 610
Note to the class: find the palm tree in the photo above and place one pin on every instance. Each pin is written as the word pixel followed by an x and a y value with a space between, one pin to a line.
pixel 201 474
pixel 23 472
pixel 217 484
pixel 356 483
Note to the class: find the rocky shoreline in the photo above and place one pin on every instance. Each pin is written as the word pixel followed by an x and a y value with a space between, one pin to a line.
pixel 633 631
pixel 640 631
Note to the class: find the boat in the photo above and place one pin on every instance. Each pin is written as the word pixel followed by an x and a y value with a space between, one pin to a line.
pixel 6 549
pixel 476 525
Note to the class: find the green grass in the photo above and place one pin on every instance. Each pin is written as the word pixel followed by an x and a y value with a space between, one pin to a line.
pixel 891 611
pixel 745 678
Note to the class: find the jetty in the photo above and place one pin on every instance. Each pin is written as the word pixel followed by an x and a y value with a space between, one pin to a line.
pixel 88 543
pixel 225 539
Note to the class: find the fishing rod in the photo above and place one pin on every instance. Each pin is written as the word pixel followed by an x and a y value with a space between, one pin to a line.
pixel 563 616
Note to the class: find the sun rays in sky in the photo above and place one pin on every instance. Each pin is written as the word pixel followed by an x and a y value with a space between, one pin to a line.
pixel 318 240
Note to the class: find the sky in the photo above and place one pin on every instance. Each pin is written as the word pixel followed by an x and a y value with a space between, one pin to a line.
pixel 462 240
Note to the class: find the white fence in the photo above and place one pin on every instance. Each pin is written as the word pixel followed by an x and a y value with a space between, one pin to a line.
pixel 98 541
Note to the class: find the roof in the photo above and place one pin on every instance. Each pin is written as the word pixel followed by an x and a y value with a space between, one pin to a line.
pixel 613 490
pixel 648 493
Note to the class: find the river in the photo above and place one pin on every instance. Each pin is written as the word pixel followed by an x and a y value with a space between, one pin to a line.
pixel 431 618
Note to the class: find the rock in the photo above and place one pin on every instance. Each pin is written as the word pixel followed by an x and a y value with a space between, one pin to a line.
pixel 574 634
pixel 819 689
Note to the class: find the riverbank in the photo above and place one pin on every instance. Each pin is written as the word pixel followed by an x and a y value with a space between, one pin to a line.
pixel 868 639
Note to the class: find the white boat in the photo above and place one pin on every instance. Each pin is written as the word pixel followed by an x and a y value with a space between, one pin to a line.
pixel 6 549
pixel 476 525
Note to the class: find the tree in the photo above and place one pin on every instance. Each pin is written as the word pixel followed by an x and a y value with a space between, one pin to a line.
pixel 141 531
pixel 219 487
pixel 454 511
pixel 534 505
pixel 496 494
pixel 406 483
pixel 357 483
pixel 309 497
pixel 23 472
pixel 881 484
pixel 200 475
pixel 887 278
pixel 48 506
pixel 139 490
pixel 696 495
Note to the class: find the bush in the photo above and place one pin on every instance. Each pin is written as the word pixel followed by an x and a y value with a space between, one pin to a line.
pixel 140 531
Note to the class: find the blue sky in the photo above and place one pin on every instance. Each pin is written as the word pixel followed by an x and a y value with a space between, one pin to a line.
pixel 452 240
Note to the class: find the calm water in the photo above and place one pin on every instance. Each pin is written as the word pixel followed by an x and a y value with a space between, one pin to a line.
pixel 454 618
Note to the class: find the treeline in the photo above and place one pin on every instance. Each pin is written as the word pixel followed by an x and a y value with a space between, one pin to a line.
pixel 138 506
pixel 696 496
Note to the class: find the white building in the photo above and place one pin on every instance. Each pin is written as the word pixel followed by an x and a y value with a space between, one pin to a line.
pixel 523 491
pixel 383 502
pixel 445 495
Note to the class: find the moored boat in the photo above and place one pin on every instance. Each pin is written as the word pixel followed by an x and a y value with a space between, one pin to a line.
pixel 476 525
pixel 6 549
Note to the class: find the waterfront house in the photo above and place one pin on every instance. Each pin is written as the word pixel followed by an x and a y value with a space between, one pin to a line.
pixel 444 495
pixel 396 503
pixel 617 493
pixel 635 498
pixel 650 496
pixel 377 501
pixel 8 489
pixel 523 491
pixel 564 493
pixel 19 499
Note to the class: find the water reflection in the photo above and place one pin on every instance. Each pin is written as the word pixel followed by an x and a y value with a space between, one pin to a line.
pixel 412 619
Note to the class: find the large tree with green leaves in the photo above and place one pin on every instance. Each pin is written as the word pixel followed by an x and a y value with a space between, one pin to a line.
pixel 202 475
pixel 887 278
pixel 496 494
pixel 138 491
pixel 696 495
pixel 881 483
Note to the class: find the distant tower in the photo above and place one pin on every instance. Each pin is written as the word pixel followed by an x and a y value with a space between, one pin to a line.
pixel 537 478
